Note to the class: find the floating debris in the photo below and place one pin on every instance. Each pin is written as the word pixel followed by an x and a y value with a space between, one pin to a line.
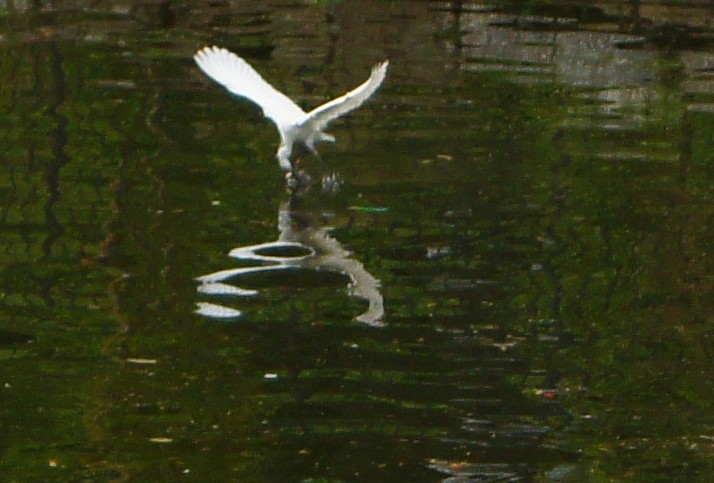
pixel 437 252
pixel 161 439
pixel 141 360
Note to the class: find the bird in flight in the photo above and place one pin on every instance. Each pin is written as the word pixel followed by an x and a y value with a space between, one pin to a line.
pixel 294 124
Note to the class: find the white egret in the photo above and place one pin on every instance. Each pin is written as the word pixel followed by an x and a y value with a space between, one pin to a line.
pixel 294 124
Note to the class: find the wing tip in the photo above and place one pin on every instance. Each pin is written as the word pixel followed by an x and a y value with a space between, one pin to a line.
pixel 379 71
pixel 381 67
pixel 208 50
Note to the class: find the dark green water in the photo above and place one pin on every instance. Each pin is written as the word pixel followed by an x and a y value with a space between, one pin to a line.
pixel 529 197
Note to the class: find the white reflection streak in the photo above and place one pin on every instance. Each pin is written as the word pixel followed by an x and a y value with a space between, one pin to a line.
pixel 235 272
pixel 324 253
pixel 213 288
pixel 216 311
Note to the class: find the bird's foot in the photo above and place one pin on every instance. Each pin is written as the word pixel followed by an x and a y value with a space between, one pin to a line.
pixel 292 179
pixel 297 179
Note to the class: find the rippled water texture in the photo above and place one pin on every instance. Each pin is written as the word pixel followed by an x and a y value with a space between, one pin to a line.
pixel 502 270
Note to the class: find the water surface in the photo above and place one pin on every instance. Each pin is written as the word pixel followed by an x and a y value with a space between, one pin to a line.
pixel 510 279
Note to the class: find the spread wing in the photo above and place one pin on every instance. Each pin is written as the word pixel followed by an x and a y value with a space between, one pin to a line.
pixel 321 116
pixel 236 75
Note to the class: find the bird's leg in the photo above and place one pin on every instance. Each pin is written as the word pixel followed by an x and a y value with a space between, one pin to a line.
pixel 292 177
pixel 310 145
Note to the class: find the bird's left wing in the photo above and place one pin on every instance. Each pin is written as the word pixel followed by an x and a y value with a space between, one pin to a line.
pixel 236 75
pixel 321 116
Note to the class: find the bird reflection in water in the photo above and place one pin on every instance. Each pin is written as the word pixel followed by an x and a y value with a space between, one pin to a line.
pixel 306 244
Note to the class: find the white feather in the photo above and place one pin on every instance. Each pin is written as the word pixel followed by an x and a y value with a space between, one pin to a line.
pixel 321 116
pixel 294 124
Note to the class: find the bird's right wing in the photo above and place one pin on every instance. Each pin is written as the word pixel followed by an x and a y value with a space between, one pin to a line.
pixel 236 75
pixel 322 115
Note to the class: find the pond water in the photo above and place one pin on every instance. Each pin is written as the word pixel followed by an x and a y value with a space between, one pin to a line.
pixel 506 277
